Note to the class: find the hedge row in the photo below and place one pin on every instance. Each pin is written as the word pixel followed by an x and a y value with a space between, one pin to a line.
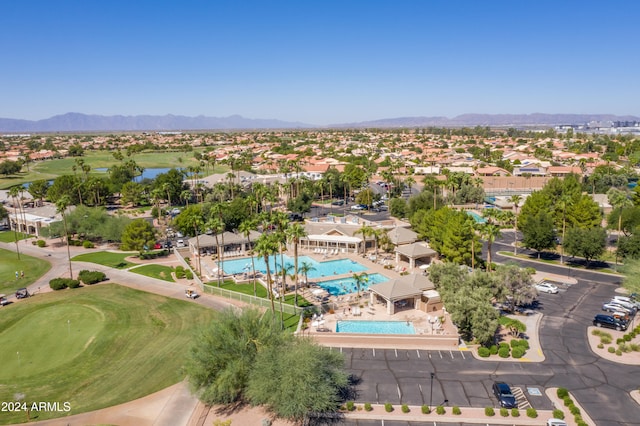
pixel 91 277
pixel 62 283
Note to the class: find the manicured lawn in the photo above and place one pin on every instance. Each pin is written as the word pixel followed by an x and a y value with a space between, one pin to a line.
pixel 106 258
pixel 161 272
pixel 95 347
pixel 33 269
pixel 9 236
pixel 260 291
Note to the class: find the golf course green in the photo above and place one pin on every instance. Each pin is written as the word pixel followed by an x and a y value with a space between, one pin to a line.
pixel 93 347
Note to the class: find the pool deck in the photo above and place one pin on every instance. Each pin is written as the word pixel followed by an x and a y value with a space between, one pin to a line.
pixel 344 308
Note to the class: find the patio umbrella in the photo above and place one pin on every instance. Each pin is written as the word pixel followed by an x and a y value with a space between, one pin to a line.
pixel 317 292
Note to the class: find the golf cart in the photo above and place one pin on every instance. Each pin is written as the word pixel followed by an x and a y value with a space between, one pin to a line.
pixel 3 300
pixel 22 293
pixel 191 294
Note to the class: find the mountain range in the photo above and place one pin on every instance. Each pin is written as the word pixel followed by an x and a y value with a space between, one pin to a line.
pixel 77 122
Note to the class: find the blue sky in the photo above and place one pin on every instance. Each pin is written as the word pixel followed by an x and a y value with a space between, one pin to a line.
pixel 318 62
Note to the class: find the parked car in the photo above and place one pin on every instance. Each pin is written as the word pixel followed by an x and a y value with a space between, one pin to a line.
pixel 627 300
pixel 615 307
pixel 503 392
pixel 157 246
pixel 609 321
pixel 630 306
pixel 357 207
pixel 3 300
pixel 556 422
pixel 545 287
pixel 338 203
pixel 22 293
pixel 180 243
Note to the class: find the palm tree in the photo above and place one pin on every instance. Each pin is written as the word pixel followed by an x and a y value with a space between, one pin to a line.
pixel 305 268
pixel 13 193
pixel 216 226
pixel 185 196
pixel 360 279
pixel 267 246
pixel 490 232
pixel 515 200
pixel 246 227
pixel 366 231
pixel 294 233
pixel 564 202
pixel 61 206
pixel 619 200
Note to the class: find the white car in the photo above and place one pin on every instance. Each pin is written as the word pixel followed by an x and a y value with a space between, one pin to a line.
pixel 626 300
pixel 545 287
pixel 180 243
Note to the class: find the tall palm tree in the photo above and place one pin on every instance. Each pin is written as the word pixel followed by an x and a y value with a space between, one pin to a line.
pixel 305 268
pixel 13 193
pixel 246 227
pixel 490 231
pixel 563 203
pixel 295 233
pixel 267 246
pixel 515 200
pixel 619 200
pixel 61 206
pixel 216 226
pixel 360 280
pixel 366 231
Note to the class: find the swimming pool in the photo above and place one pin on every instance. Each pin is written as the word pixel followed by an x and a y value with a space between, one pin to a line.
pixel 342 286
pixel 320 269
pixel 375 327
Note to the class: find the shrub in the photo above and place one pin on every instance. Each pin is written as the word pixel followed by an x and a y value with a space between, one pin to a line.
pixel 503 345
pixel 350 406
pixel 388 407
pixel 367 406
pixel 619 340
pixel 627 338
pixel 456 410
pixel 582 423
pixel 515 412
pixel 619 352
pixel 489 411
pixel 531 412
pixel 405 408
pixel 188 274
pixel 59 283
pixel 73 283
pixel 600 346
pixel 625 348
pixel 562 393
pixel 611 349
pixel 517 352
pixel 483 352
pixel 635 347
pixel 504 412
pixel 558 414
pixel 41 243
pixel 87 244
pixel 91 277
pixel 606 339
pixel 440 410
pixel 503 352
pixel 179 271
pixel 574 410
pixel 493 349
pixel 425 409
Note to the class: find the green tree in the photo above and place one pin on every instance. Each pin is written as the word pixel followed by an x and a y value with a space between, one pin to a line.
pixel 489 231
pixel 538 232
pixel 305 268
pixel 311 379
pixel 267 245
pixel 132 193
pixel 139 235
pixel 9 167
pixel 360 280
pixel 38 189
pixel 245 228
pixel 223 356
pixel 515 285
pixel 515 200
pixel 589 243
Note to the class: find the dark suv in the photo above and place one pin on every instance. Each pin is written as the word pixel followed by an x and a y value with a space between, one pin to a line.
pixel 22 293
pixel 502 391
pixel 609 321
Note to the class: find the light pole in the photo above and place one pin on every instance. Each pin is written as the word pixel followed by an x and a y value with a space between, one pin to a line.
pixel 431 391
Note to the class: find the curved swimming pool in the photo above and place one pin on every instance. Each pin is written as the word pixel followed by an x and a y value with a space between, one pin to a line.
pixel 319 269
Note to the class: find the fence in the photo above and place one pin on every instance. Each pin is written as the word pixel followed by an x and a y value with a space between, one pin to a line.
pixel 252 300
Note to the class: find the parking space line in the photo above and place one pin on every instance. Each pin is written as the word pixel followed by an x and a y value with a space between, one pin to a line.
pixel 440 354
pixel 417 351
pixel 451 353
pixel 396 352
pixel 374 352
